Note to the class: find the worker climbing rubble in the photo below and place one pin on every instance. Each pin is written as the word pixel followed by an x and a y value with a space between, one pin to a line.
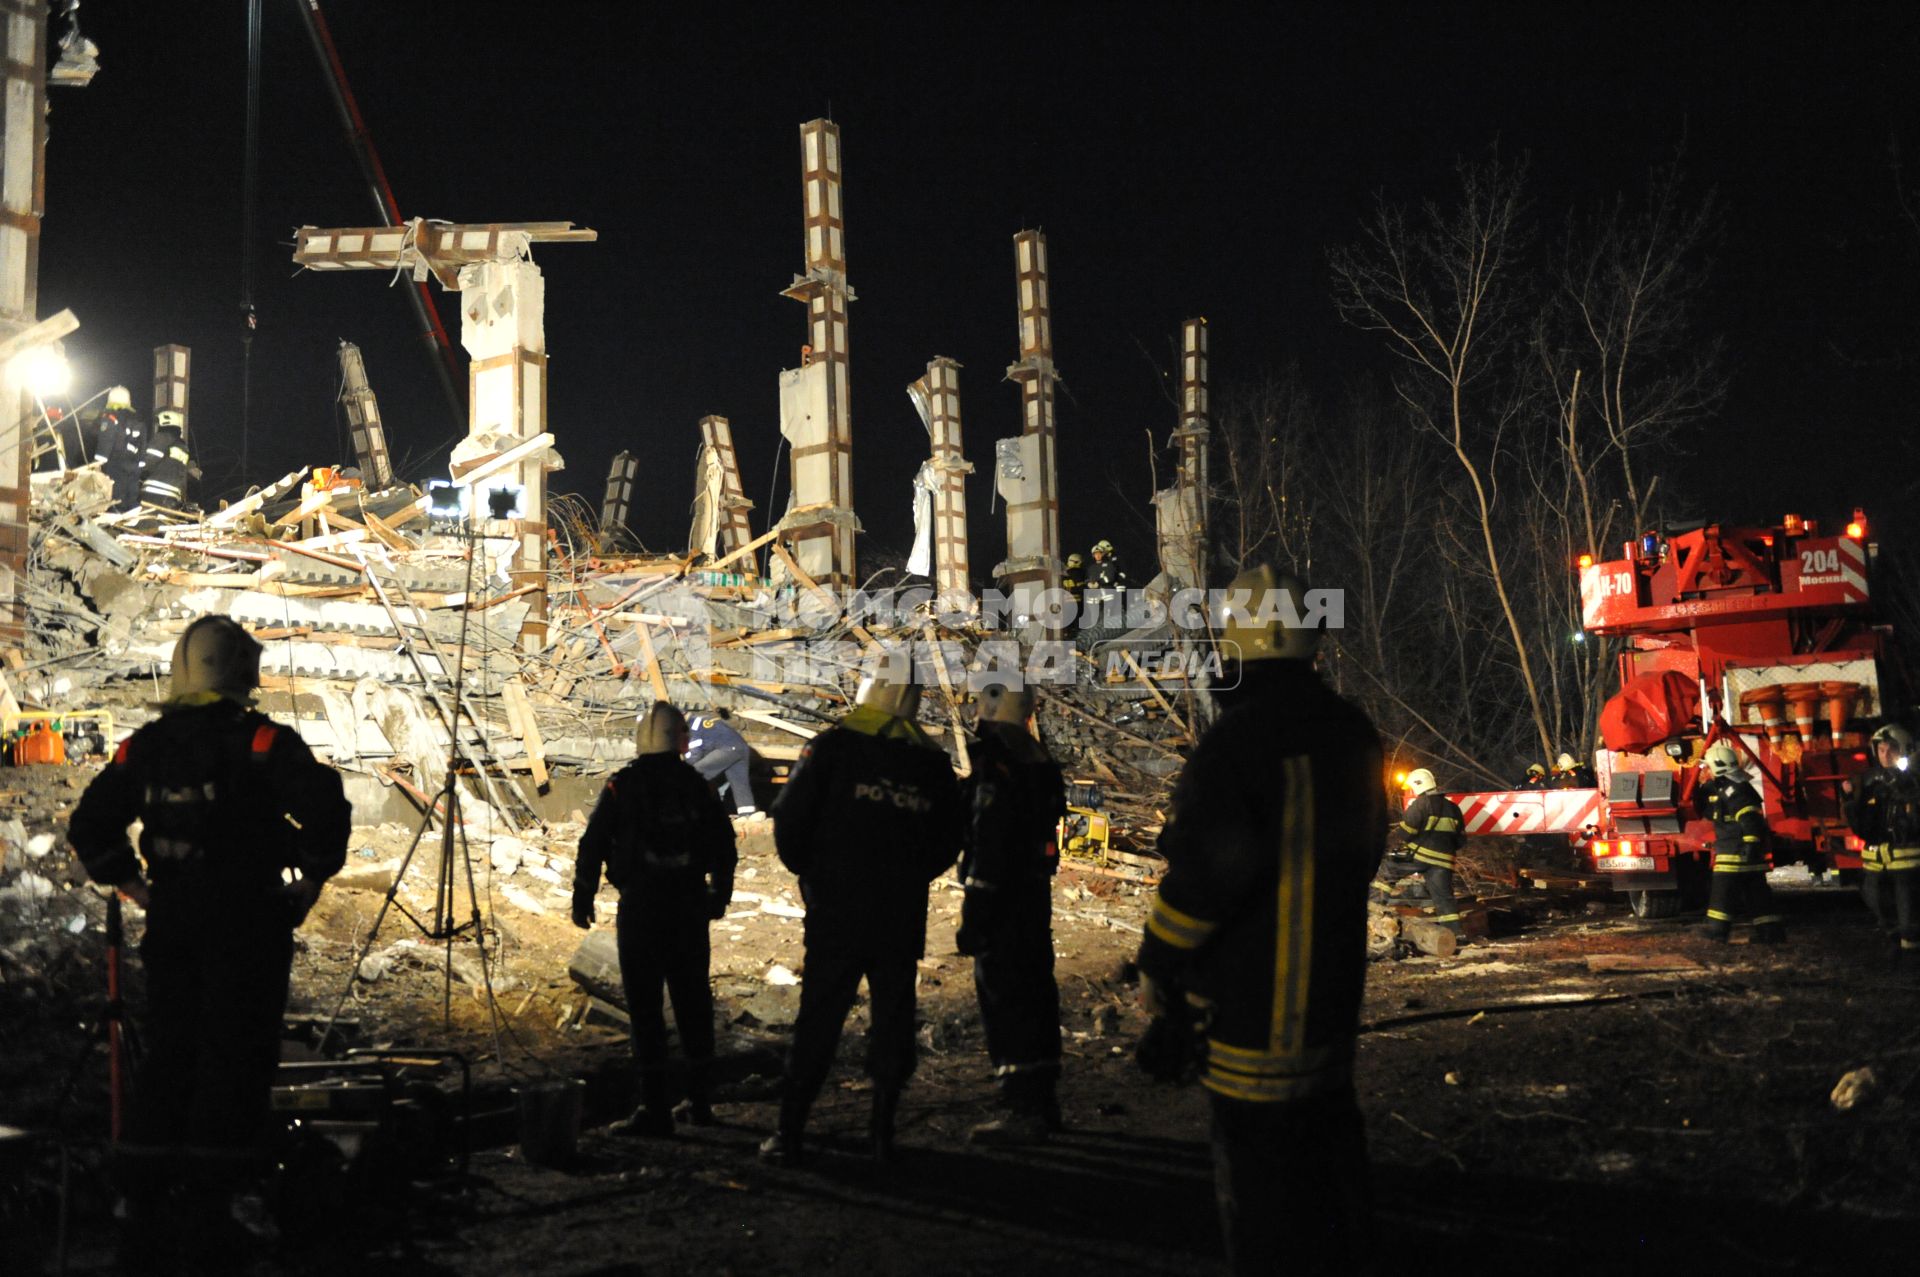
pixel 716 750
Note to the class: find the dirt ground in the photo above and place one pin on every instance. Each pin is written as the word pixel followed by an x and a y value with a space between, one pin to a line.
pixel 1588 1093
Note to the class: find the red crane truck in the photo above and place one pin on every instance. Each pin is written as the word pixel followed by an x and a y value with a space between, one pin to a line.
pixel 1764 637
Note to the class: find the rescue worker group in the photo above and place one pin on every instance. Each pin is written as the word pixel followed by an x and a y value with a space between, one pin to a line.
pixel 150 466
pixel 1251 966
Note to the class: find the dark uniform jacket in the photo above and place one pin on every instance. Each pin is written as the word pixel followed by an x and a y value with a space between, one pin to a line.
pixel 662 837
pixel 1432 823
pixel 1277 828
pixel 121 447
pixel 1884 813
pixel 708 732
pixel 1739 824
pixel 1107 574
pixel 1578 776
pixel 870 816
pixel 228 799
pixel 168 470
pixel 1014 800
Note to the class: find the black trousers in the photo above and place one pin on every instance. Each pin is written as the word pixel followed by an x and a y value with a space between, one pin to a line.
pixel 1741 893
pixel 1446 910
pixel 1894 897
pixel 667 948
pixel 216 976
pixel 1293 1184
pixel 1019 1000
pixel 827 990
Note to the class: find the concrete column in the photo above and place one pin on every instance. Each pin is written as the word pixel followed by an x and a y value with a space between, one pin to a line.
pixel 937 395
pixel 363 421
pixel 617 507
pixel 172 379
pixel 717 434
pixel 1026 469
pixel 816 415
pixel 22 191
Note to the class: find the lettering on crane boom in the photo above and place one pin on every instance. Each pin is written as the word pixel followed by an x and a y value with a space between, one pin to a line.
pixel 1609 584
pixel 1820 567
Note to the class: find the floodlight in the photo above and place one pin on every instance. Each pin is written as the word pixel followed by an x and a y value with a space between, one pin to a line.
pixel 503 502
pixel 446 501
pixel 48 375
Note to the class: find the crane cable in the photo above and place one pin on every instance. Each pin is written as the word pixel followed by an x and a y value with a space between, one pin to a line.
pixel 249 207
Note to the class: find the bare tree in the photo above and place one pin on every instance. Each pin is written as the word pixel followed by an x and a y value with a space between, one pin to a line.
pixel 1443 286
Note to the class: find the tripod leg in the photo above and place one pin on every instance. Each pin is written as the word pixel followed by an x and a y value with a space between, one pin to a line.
pixel 373 932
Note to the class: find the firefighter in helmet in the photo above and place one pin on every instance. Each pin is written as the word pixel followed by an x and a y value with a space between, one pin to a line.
pixel 1569 774
pixel 1014 798
pixel 1073 578
pixel 868 819
pixel 120 446
pixel 1256 940
pixel 240 827
pixel 167 468
pixel 1883 808
pixel 1431 825
pixel 1106 574
pixel 1536 777
pixel 667 847
pixel 1739 851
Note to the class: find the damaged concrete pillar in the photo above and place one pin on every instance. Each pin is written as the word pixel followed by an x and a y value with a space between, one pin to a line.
pixel 815 411
pixel 944 478
pixel 503 329
pixel 1025 471
pixel 617 506
pixel 1180 511
pixel 22 186
pixel 172 376
pixel 363 421
pixel 730 502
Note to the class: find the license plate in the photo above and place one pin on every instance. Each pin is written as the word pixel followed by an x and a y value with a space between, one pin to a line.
pixel 1625 864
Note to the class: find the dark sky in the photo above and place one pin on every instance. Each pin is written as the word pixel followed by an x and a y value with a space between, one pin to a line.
pixel 1180 165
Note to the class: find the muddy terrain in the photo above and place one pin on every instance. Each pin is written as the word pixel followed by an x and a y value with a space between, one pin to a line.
pixel 1586 1093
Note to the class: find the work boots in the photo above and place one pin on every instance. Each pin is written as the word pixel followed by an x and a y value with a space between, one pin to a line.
pixel 1035 1112
pixel 784 1146
pixel 697 1108
pixel 654 1117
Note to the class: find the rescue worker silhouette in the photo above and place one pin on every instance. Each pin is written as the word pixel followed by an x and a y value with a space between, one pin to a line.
pixel 1258 931
pixel 715 749
pixel 1739 851
pixel 1432 823
pixel 1883 809
pixel 167 469
pixel 1014 799
pixel 1073 579
pixel 120 446
pixel 1107 574
pixel 667 847
pixel 869 818
pixel 1536 777
pixel 240 827
pixel 1568 774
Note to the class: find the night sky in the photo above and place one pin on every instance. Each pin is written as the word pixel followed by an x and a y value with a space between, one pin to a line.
pixel 1180 165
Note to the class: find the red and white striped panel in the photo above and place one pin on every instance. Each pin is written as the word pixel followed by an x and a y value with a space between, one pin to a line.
pixel 1853 570
pixel 1530 811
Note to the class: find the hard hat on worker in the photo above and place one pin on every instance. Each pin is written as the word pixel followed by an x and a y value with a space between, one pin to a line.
pixel 1563 763
pixel 171 417
pixel 119 399
pixel 662 730
pixel 215 654
pixel 1005 703
pixel 1897 736
pixel 1537 769
pixel 1419 781
pixel 1103 547
pixel 891 686
pixel 1076 561
pixel 1721 760
pixel 1262 618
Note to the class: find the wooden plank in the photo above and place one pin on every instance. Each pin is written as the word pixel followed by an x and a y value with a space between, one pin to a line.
pixel 308 507
pixel 384 533
pixel 653 665
pixel 800 575
pixel 772 719
pixel 1154 690
pixel 953 703
pixel 740 553
pixel 248 504
pixel 527 730
pixel 215 580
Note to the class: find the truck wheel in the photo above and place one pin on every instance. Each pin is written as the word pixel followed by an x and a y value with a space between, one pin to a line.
pixel 1654 904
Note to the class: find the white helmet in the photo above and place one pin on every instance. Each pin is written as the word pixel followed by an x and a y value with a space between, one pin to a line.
pixel 1564 763
pixel 889 685
pixel 1897 736
pixel 119 399
pixel 1419 781
pixel 171 417
pixel 1722 761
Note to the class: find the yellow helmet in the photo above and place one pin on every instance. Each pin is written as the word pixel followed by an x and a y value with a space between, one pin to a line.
pixel 1419 781
pixel 1722 761
pixel 1076 561
pixel 1103 547
pixel 661 730
pixel 1563 763
pixel 1253 632
pixel 215 654
pixel 119 399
